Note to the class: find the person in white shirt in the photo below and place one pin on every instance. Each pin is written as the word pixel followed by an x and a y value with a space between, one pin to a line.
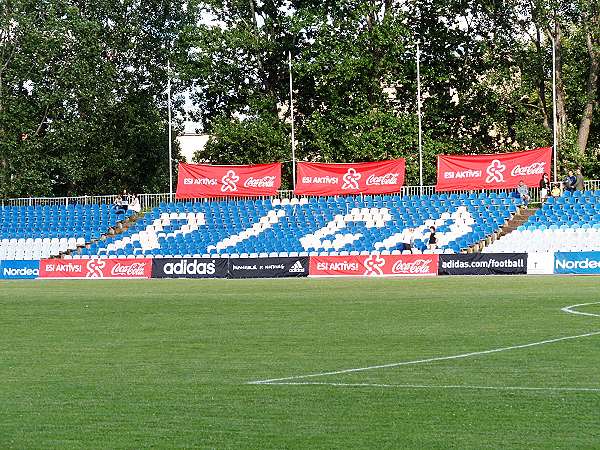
pixel 134 204
pixel 406 238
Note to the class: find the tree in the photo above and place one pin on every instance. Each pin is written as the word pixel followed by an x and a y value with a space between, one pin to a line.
pixel 82 107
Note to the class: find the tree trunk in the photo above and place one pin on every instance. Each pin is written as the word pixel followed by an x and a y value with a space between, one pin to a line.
pixel 591 95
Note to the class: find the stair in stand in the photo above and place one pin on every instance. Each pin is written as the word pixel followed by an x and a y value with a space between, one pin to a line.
pixel 517 220
pixel 520 217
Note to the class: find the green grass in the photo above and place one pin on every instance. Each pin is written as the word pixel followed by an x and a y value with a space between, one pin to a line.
pixel 165 363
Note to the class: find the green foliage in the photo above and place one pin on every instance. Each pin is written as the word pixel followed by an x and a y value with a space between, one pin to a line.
pixel 485 77
pixel 82 105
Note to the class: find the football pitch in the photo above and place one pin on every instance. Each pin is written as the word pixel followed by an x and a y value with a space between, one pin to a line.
pixel 415 363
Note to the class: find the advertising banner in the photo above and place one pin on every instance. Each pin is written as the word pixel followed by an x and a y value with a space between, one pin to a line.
pixel 541 263
pixel 205 180
pixel 96 268
pixel 492 171
pixel 374 265
pixel 483 264
pixel 357 178
pixel 579 263
pixel 19 269
pixel 268 267
pixel 189 268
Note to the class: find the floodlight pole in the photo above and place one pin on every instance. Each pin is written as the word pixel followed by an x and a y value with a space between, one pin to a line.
pixel 419 117
pixel 170 131
pixel 554 111
pixel 292 119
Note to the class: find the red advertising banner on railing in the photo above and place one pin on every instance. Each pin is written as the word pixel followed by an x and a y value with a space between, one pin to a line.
pixel 374 265
pixel 357 178
pixel 492 171
pixel 96 268
pixel 205 180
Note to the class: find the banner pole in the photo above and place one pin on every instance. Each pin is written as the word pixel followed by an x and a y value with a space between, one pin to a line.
pixel 170 131
pixel 419 117
pixel 292 119
pixel 554 112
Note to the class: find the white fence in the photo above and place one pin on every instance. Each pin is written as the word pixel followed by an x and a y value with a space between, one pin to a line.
pixel 151 200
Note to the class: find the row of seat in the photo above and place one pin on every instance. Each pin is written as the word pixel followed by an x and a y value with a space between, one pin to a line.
pixel 262 254
pixel 567 223
pixel 33 232
pixel 363 224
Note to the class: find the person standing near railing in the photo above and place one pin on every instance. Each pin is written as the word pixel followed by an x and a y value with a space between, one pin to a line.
pixel 544 187
pixel 523 192
pixel 579 182
pixel 134 204
pixel 569 182
pixel 118 205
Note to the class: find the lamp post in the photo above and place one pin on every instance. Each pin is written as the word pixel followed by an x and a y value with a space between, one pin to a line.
pixel 419 118
pixel 554 112
pixel 292 119
pixel 170 131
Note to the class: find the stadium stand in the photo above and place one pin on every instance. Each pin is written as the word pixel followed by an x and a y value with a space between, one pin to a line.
pixel 567 223
pixel 309 226
pixel 34 232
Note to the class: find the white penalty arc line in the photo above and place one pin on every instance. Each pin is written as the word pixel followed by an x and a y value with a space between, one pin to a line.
pixel 571 309
pixel 567 309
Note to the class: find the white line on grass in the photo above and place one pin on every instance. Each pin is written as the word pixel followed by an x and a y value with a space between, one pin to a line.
pixel 567 309
pixel 570 310
pixel 426 360
pixel 437 386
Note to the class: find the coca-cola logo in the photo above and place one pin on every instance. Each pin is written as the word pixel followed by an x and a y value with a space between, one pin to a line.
pixel 136 269
pixel 267 181
pixel 536 168
pixel 418 266
pixel 384 180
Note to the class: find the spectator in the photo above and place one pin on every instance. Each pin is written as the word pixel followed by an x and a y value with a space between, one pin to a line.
pixel 555 191
pixel 569 182
pixel 125 200
pixel 414 236
pixel 523 192
pixel 579 184
pixel 408 238
pixel 544 187
pixel 134 204
pixel 432 238
pixel 118 204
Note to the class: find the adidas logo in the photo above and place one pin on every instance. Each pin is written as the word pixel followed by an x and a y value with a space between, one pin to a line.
pixel 297 267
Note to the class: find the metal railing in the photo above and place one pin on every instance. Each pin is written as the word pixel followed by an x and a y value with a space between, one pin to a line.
pixel 149 201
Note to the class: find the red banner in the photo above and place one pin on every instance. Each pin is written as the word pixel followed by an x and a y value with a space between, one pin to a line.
pixel 492 171
pixel 374 265
pixel 96 268
pixel 205 180
pixel 356 178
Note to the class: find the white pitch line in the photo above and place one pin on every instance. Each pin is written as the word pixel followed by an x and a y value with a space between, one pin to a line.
pixel 570 310
pixel 437 386
pixel 567 309
pixel 426 360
